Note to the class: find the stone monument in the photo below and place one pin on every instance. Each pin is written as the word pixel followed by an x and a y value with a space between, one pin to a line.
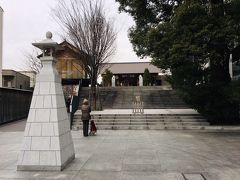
pixel 47 143
pixel 140 80
pixel 113 81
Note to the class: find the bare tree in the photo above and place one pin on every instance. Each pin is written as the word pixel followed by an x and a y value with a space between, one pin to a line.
pixel 86 26
pixel 32 60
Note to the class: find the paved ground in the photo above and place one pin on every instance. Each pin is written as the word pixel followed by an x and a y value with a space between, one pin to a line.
pixel 135 155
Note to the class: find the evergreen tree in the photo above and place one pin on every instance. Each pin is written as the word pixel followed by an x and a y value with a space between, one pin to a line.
pixel 147 77
pixel 194 39
pixel 107 78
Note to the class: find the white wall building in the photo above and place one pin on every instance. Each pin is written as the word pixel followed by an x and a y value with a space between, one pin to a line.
pixel 1 43
pixel 32 75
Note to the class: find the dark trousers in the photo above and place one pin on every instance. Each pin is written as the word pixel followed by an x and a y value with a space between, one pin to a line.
pixel 85 127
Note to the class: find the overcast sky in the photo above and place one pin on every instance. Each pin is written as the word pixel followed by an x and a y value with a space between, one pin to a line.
pixel 27 21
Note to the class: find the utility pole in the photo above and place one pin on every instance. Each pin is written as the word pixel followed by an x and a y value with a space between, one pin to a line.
pixel 1 44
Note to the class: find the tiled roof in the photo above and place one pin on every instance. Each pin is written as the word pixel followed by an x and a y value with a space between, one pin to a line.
pixel 133 67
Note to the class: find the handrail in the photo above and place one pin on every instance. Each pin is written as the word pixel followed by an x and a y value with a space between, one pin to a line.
pixel 138 105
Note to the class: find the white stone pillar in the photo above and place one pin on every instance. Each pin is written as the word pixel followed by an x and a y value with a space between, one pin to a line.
pixel 1 44
pixel 47 143
pixel 140 80
pixel 113 81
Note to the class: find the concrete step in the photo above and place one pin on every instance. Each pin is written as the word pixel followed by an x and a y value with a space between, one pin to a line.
pixel 123 127
pixel 147 120
pixel 145 127
pixel 149 123
pixel 172 121
pixel 140 126
pixel 144 120
pixel 145 117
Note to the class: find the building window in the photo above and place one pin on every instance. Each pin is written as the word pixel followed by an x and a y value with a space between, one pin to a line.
pixel 7 83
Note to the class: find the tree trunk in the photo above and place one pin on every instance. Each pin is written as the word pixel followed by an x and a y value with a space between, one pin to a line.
pixel 93 89
pixel 94 97
pixel 217 7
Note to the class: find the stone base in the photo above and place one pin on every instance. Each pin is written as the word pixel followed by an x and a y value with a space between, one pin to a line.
pixel 44 168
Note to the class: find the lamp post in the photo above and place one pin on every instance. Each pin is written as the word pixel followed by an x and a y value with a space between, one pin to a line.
pixel 230 66
pixel 47 143
pixel 1 43
pixel 231 48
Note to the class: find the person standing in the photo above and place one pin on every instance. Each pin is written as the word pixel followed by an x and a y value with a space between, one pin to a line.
pixel 86 109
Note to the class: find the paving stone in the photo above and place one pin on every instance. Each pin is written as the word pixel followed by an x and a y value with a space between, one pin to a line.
pixel 98 175
pixel 103 163
pixel 140 159
pixel 15 175
pixel 172 176
pixel 52 175
pixel 193 176
pixel 76 164
pixel 152 176
pixel 142 167
pixel 130 155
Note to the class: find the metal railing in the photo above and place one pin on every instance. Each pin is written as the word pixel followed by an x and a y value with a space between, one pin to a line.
pixel 137 105
pixel 14 104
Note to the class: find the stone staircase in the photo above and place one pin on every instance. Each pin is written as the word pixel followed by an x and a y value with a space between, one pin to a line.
pixel 154 97
pixel 145 121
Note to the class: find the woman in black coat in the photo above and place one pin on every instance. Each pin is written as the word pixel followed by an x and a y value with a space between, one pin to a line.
pixel 86 109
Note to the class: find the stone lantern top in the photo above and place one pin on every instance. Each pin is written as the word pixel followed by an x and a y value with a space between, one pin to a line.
pixel 48 35
pixel 48 45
